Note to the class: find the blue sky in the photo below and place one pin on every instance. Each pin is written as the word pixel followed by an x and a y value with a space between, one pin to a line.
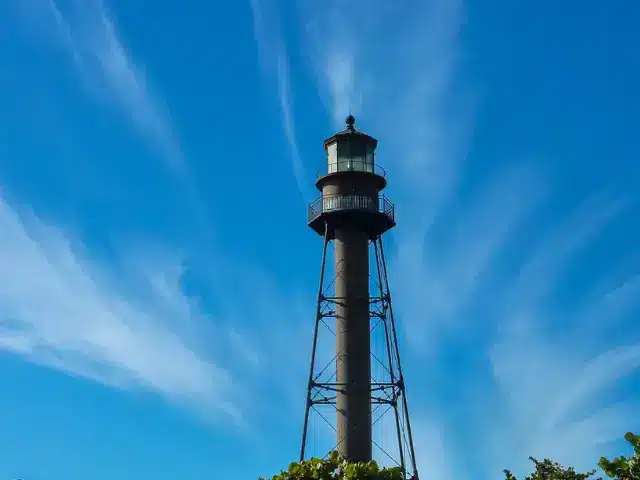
pixel 157 277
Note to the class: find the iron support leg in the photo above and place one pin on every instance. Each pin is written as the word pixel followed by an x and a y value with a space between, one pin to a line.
pixel 389 343
pixel 397 352
pixel 315 341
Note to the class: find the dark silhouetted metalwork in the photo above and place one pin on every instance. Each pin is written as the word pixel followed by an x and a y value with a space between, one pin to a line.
pixel 363 381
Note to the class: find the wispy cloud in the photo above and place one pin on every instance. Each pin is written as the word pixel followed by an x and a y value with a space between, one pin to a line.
pixel 87 34
pixel 560 387
pixel 274 60
pixel 540 274
pixel 331 41
pixel 395 69
pixel 548 356
pixel 451 272
pixel 262 327
pixel 549 353
pixel 130 326
pixel 562 401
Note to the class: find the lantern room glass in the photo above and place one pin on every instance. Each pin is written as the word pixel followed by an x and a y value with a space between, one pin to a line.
pixel 357 155
pixel 368 159
pixel 332 157
pixel 344 155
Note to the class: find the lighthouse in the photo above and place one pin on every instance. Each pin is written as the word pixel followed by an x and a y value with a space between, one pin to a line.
pixel 352 215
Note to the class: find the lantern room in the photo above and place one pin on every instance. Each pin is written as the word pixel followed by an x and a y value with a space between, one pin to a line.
pixel 350 150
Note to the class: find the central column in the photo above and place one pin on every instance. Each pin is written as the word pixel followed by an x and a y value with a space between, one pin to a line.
pixel 353 361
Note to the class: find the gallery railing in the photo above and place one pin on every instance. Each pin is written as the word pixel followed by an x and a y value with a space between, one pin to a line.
pixel 330 203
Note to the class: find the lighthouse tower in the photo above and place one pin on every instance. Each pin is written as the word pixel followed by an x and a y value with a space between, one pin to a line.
pixel 354 306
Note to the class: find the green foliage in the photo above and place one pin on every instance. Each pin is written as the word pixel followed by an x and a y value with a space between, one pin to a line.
pixel 548 470
pixel 623 468
pixel 335 467
pixel 620 468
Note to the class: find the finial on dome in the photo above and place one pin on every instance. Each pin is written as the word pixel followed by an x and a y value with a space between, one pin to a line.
pixel 351 120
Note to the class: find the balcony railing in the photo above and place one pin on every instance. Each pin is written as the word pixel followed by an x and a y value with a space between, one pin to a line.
pixel 331 203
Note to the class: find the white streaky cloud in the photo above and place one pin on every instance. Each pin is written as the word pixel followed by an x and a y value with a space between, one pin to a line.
pixel 614 299
pixel 558 383
pixel 556 400
pixel 558 368
pixel 274 61
pixel 333 48
pixel 286 108
pixel 87 32
pixel 244 348
pixel 598 373
pixel 394 70
pixel 433 286
pixel 273 331
pixel 59 309
pixel 540 274
pixel 341 78
pixel 619 302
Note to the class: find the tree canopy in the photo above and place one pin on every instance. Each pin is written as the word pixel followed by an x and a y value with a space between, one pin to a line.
pixel 620 468
pixel 335 467
pixel 623 468
pixel 549 470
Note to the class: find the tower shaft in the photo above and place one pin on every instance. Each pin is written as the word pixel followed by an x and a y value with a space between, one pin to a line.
pixel 353 355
